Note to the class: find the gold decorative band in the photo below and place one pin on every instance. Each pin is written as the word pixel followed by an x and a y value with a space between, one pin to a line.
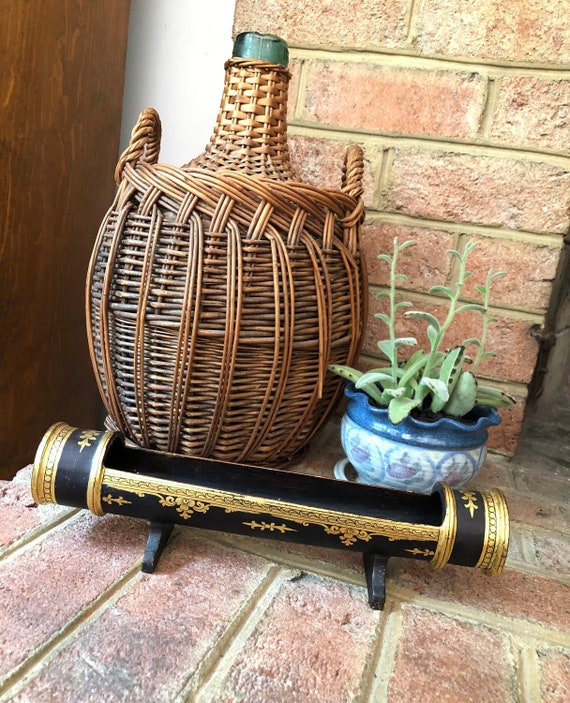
pixel 496 541
pixel 447 531
pixel 46 462
pixel 93 497
pixel 187 500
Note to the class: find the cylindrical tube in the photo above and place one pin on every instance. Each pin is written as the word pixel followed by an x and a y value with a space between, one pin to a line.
pixel 98 471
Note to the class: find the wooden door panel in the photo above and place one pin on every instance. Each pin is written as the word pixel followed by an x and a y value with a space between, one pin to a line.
pixel 61 85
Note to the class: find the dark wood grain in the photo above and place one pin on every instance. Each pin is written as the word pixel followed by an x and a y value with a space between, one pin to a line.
pixel 61 84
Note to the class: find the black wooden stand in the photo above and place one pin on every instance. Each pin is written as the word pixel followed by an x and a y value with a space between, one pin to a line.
pixel 374 563
pixel 375 570
pixel 158 537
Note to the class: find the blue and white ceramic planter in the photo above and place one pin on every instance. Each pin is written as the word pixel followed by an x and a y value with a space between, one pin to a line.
pixel 413 455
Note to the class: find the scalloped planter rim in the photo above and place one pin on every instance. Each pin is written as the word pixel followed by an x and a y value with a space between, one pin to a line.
pixel 413 455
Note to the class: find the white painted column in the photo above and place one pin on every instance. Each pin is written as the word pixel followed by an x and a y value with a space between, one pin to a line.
pixel 175 63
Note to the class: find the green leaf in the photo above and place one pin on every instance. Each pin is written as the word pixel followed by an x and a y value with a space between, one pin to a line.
pixel 437 387
pixel 405 342
pixel 451 365
pixel 481 289
pixel 464 395
pixel 405 245
pixel 420 353
pixel 400 277
pixel 385 319
pixel 395 392
pixel 455 253
pixel 432 335
pixel 373 391
pixel 400 408
pixel 371 377
pixel 420 315
pixel 412 369
pixel 472 340
pixel 387 348
pixel 382 294
pixel 381 369
pixel 442 289
pixel 346 372
pixel 449 373
pixel 494 397
pixel 471 306
pixel 403 304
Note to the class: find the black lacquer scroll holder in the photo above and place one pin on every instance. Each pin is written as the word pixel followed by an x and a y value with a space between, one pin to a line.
pixel 100 472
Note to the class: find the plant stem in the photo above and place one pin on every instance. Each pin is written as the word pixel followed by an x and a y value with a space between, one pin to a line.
pixel 449 319
pixel 486 299
pixel 392 325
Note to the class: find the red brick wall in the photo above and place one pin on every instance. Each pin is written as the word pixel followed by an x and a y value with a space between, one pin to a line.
pixel 463 111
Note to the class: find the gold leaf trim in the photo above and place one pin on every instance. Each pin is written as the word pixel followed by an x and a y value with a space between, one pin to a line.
pixel 46 461
pixel 448 530
pixel 416 551
pixel 349 527
pixel 86 438
pixel 470 499
pixel 271 526
pixel 119 500
pixel 496 544
pixel 95 483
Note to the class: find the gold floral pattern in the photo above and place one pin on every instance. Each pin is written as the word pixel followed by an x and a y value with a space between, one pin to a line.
pixel 349 527
pixel 86 438
pixel 470 499
pixel 271 526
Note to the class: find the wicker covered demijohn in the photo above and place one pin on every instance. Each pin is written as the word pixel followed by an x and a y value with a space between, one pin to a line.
pixel 219 292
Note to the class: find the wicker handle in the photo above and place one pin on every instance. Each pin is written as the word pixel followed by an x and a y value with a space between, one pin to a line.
pixel 353 171
pixel 144 144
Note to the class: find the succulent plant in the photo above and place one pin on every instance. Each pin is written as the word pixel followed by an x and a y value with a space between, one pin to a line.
pixel 437 381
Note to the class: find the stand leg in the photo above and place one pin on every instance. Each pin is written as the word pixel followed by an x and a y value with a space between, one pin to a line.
pixel 375 569
pixel 157 539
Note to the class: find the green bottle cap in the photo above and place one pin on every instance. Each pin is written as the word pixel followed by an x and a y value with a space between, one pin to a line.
pixel 266 47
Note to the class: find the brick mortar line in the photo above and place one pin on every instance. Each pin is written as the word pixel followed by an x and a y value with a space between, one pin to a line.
pixel 521 315
pixel 414 14
pixel 524 567
pixel 524 630
pixel 262 548
pixel 410 59
pixel 525 530
pixel 217 664
pixel 382 179
pixel 38 534
pixel 468 229
pixel 385 140
pixel 344 575
pixel 489 108
pixel 528 674
pixel 378 671
pixel 31 667
pixel 301 90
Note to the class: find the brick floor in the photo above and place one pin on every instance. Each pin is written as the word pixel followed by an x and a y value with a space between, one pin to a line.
pixel 227 619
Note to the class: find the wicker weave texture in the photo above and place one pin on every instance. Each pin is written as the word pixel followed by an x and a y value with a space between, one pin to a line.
pixel 217 299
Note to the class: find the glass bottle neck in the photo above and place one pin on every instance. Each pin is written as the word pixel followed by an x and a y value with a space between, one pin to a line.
pixel 251 130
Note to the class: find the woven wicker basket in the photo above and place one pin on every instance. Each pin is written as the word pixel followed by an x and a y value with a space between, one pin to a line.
pixel 219 292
